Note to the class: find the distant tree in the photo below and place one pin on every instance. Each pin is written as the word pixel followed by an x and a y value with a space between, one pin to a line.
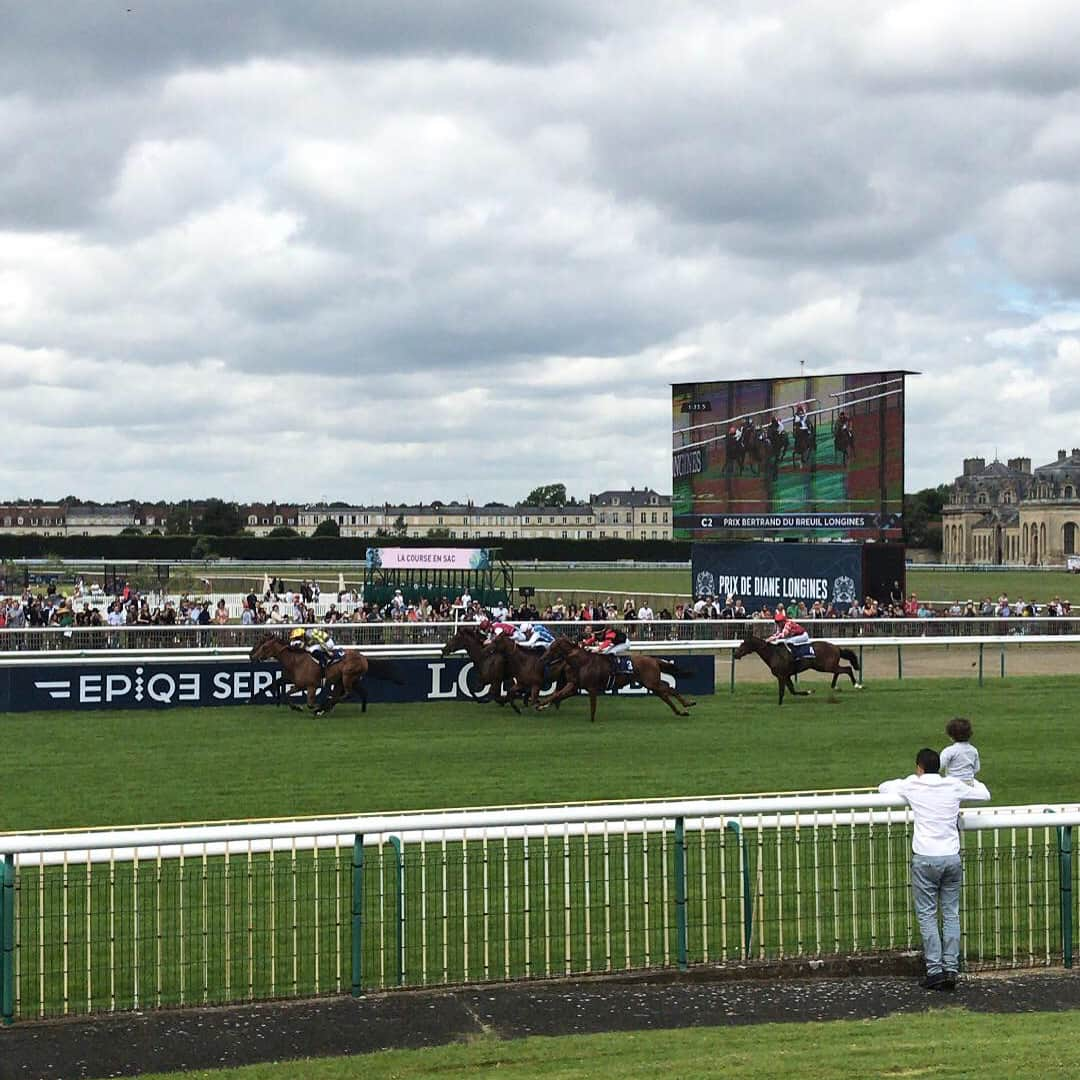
pixel 178 521
pixel 219 518
pixel 202 548
pixel 922 516
pixel 439 534
pixel 131 530
pixel 282 530
pixel 327 527
pixel 547 495
pixel 400 528
pixel 71 500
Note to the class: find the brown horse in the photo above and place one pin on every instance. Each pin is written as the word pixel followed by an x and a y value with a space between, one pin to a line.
pixel 592 673
pixel 341 677
pixel 489 667
pixel 527 667
pixel 782 663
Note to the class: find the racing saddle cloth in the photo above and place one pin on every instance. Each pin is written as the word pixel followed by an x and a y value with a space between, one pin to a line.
pixel 802 652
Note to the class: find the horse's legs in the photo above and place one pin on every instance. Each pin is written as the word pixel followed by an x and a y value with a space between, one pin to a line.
pixel 592 706
pixel 797 693
pixel 665 694
pixel 559 695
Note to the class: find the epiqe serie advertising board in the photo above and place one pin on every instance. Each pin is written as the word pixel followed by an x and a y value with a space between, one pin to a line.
pixel 819 456
pixel 213 682
pixel 428 558
pixel 764 575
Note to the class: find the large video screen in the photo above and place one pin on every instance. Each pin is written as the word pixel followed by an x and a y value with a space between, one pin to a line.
pixel 817 456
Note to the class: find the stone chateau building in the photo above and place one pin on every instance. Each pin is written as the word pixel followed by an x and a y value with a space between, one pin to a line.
pixel 637 514
pixel 1010 514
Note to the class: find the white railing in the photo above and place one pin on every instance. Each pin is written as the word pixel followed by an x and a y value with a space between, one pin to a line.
pixel 114 919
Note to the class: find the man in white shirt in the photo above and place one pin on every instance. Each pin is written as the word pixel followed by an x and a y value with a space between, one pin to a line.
pixel 936 871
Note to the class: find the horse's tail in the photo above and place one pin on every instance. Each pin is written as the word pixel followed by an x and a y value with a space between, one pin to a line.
pixel 384 669
pixel 669 667
pixel 850 657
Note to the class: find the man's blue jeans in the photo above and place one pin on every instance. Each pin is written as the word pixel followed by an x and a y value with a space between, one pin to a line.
pixel 935 885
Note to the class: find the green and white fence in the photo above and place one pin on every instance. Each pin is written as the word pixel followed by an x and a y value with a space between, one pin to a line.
pixel 145 918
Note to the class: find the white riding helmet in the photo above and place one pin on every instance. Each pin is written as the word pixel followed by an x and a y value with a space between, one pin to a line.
pixel 526 627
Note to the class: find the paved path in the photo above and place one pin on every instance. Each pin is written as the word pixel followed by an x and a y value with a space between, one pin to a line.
pixel 214 1038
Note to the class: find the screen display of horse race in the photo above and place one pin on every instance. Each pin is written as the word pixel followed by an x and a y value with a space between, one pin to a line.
pixel 815 456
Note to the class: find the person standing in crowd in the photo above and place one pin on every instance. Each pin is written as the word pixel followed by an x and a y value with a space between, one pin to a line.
pixel 936 870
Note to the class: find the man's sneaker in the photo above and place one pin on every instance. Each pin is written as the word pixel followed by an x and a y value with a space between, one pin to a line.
pixel 937 981
pixel 948 980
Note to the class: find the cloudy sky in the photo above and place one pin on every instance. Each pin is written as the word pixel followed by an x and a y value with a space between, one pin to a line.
pixel 370 251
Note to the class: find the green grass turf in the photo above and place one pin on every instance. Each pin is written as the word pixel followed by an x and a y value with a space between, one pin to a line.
pixel 66 770
pixel 1035 585
pixel 942 1044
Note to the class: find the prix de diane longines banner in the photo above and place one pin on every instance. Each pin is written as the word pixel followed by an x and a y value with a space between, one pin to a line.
pixel 764 575
pixel 428 558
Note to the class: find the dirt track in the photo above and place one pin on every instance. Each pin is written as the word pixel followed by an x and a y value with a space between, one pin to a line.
pixel 214 1038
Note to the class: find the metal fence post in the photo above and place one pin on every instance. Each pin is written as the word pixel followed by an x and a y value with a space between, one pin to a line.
pixel 357 914
pixel 981 648
pixel 899 661
pixel 680 893
pixel 744 873
pixel 733 671
pixel 1003 661
pixel 395 843
pixel 7 932
pixel 1065 891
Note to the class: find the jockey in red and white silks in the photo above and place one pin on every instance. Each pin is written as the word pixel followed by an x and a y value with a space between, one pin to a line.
pixel 788 631
pixel 494 628
pixel 609 641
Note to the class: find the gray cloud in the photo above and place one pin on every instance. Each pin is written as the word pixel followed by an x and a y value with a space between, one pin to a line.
pixel 464 249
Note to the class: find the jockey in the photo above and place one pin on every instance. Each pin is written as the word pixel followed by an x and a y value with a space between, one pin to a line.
pixel 788 631
pixel 608 640
pixel 533 636
pixel 316 641
pixel 494 628
pixel 800 420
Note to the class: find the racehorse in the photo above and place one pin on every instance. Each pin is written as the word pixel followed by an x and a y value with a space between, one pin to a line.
pixel 781 662
pixel 527 667
pixel 302 670
pixel 742 443
pixel 844 441
pixel 592 673
pixel 771 448
pixel 488 666
pixel 805 442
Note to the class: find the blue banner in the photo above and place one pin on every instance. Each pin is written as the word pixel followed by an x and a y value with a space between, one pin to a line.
pixel 114 684
pixel 764 575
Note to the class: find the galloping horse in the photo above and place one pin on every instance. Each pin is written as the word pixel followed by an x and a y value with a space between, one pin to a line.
pixel 303 671
pixel 781 662
pixel 591 672
pixel 488 666
pixel 844 441
pixel 805 443
pixel 527 667
pixel 771 448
